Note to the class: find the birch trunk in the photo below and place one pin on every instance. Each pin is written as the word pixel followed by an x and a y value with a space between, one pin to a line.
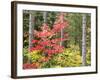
pixel 61 43
pixel 83 39
pixel 61 33
pixel 31 27
pixel 45 17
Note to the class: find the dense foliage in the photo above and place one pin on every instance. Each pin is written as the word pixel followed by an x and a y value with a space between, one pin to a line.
pixel 47 52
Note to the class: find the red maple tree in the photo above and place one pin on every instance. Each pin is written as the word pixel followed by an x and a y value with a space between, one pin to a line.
pixel 45 39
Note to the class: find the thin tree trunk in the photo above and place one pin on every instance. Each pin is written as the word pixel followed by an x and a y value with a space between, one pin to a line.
pixel 31 27
pixel 45 17
pixel 61 43
pixel 83 39
pixel 61 32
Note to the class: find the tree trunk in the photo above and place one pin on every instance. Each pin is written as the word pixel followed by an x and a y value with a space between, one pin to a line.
pixel 83 39
pixel 61 43
pixel 45 17
pixel 31 28
pixel 61 32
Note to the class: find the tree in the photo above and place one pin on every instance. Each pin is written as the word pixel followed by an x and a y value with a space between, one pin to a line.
pixel 31 27
pixel 45 39
pixel 84 39
pixel 45 17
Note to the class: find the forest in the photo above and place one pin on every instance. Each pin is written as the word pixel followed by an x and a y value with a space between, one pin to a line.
pixel 56 39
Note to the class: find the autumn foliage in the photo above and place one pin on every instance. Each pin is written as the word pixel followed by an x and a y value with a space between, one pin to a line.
pixel 57 42
pixel 45 39
pixel 46 42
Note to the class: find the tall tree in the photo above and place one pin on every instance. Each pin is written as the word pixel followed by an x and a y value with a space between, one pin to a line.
pixel 84 39
pixel 45 16
pixel 31 27
pixel 62 20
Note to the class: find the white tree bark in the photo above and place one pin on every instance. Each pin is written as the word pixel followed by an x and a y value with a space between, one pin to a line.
pixel 31 27
pixel 61 43
pixel 61 34
pixel 83 39
pixel 45 17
